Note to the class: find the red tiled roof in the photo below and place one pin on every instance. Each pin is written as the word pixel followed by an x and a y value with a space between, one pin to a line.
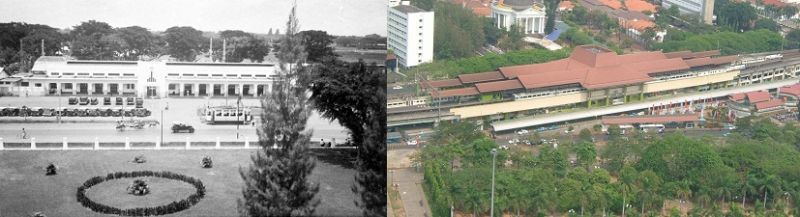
pixel 737 97
pixel 757 96
pixel 613 4
pixel 776 3
pixel 498 86
pixel 565 5
pixel 640 6
pixel 444 83
pixel 480 77
pixel 793 90
pixel 639 25
pixel 650 119
pixel 704 61
pixel 467 91
pixel 769 104
pixel 689 54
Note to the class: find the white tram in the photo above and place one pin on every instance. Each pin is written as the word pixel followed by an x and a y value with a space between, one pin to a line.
pixel 227 115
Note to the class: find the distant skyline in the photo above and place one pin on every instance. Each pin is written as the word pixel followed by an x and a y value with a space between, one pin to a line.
pixel 337 17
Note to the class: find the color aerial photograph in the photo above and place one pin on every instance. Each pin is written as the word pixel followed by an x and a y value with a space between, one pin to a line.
pixel 192 108
pixel 593 108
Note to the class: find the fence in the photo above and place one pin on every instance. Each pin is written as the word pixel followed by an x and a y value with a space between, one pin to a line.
pixel 128 145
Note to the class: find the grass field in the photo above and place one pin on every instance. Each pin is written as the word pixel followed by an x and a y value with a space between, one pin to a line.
pixel 24 189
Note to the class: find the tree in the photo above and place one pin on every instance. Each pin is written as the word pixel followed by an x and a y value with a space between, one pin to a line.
pixel 277 184
pixel 793 39
pixel 139 40
pixel 183 42
pixel 354 95
pixel 318 45
pixel 88 42
pixel 241 45
pixel 768 24
pixel 550 21
pixel 586 153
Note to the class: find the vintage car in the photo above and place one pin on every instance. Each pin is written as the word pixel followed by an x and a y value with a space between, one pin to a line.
pixel 178 127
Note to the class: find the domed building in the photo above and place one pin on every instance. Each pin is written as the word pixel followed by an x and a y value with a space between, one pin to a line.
pixel 528 15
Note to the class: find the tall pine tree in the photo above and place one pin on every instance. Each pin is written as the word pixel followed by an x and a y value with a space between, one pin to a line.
pixel 277 183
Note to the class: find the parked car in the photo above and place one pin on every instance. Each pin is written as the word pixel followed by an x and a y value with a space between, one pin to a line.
pixel 73 100
pixel 129 101
pixel 106 100
pixel 178 127
pixel 522 132
pixel 83 101
pixel 119 101
pixel 139 102
pixel 93 101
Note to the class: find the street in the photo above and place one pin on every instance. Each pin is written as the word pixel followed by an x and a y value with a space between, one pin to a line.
pixel 186 110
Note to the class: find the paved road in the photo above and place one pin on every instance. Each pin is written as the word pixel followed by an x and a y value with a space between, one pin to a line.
pixel 410 186
pixel 86 129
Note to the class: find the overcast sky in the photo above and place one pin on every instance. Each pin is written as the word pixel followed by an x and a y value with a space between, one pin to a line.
pixel 337 17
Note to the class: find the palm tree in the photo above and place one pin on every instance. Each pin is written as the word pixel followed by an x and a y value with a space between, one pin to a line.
pixel 771 183
pixel 683 192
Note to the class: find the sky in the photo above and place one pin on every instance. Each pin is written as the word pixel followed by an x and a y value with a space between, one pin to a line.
pixel 337 17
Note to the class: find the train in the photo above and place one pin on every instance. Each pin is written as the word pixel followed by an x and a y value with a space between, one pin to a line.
pixel 25 111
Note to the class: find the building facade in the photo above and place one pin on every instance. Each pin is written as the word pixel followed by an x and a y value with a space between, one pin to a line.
pixel 410 34
pixel 53 75
pixel 527 15
pixel 702 8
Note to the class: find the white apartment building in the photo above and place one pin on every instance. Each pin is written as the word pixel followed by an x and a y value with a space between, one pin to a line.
pixel 528 15
pixel 410 34
pixel 702 8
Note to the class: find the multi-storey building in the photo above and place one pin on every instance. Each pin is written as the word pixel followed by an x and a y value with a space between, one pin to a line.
pixel 53 75
pixel 410 34
pixel 702 8
pixel 527 15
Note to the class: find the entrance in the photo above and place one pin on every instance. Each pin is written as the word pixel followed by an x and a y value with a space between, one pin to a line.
pixel 152 91
pixel 98 89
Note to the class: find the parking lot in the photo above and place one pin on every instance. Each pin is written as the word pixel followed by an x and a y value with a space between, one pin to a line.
pixel 185 110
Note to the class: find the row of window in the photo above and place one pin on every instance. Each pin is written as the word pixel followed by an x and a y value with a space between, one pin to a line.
pixel 220 75
pixel 86 74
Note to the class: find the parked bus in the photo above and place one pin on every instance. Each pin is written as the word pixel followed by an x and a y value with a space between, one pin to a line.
pixel 227 115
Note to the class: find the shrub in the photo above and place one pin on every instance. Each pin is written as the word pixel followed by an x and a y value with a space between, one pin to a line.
pixel 175 206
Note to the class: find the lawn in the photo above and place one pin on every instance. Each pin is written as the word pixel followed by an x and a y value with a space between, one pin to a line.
pixel 24 189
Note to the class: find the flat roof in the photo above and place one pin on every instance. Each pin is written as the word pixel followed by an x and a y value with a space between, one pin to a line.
pixel 649 119
pixel 408 9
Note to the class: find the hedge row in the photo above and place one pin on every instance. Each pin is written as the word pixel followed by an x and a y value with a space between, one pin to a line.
pixel 175 206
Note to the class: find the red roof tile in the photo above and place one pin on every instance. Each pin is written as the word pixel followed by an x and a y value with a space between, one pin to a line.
pixel 704 61
pixel 640 6
pixel 565 5
pixel 498 86
pixel 769 104
pixel 793 90
pixel 467 91
pixel 444 83
pixel 689 54
pixel 737 97
pixel 757 96
pixel 613 4
pixel 650 119
pixel 480 77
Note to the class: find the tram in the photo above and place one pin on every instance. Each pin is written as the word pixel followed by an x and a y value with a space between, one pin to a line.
pixel 227 115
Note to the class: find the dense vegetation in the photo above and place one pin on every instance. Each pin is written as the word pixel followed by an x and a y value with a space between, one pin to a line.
pixel 753 171
pixel 452 68
pixel 728 43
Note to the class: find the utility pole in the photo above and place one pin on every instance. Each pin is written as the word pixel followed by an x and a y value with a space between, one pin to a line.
pixel 211 48
pixel 238 113
pixel 42 47
pixel 494 158
pixel 224 52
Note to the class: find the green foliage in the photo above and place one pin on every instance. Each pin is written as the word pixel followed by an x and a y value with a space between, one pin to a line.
pixel 737 15
pixel 183 42
pixel 767 24
pixel 577 37
pixel 793 39
pixel 458 32
pixel 729 43
pixel 270 187
pixel 550 23
pixel 317 44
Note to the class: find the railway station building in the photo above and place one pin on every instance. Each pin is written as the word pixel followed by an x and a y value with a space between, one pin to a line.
pixel 56 75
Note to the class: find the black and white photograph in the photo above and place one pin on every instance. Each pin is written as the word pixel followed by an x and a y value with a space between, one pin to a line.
pixel 193 108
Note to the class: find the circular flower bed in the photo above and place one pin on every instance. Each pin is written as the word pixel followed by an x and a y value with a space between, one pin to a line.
pixel 175 206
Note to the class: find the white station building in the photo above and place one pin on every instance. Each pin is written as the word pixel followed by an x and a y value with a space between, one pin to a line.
pixel 54 75
pixel 528 15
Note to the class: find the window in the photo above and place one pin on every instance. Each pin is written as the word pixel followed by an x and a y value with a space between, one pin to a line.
pixel 127 75
pixel 98 74
pixel 68 73
pixel 129 86
pixel 38 85
pixel 113 74
pixel 185 74
pixel 25 84
pixel 246 76
pixel 216 75
pixel 172 74
pixel 67 86
pixel 54 73
pixel 230 75
pixel 202 75
pixel 261 76
pixel 83 74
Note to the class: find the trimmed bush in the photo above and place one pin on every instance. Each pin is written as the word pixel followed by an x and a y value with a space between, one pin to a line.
pixel 175 206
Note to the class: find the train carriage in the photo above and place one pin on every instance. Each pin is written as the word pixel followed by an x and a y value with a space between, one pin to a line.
pixel 228 115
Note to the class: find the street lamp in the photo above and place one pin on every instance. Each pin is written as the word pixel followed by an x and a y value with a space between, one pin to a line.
pixel 162 123
pixel 494 158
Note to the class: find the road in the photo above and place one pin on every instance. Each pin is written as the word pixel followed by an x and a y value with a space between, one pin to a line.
pixel 86 129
